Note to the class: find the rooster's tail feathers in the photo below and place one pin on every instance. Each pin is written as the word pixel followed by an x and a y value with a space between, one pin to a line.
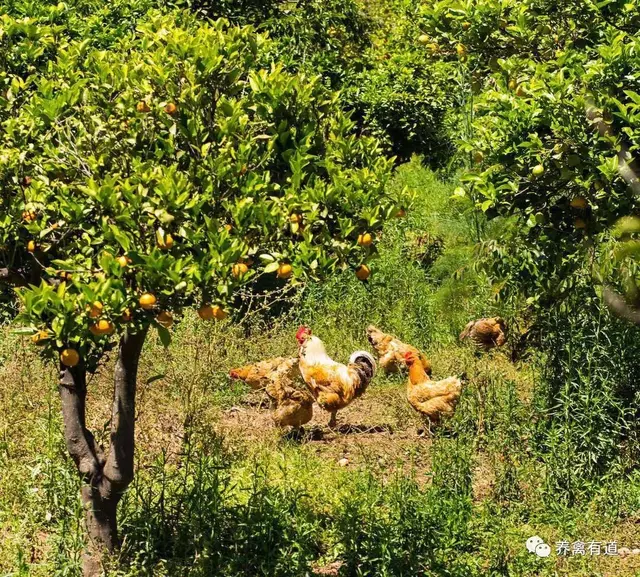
pixel 365 361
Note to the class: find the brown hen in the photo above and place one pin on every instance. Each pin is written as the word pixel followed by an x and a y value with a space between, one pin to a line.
pixel 486 333
pixel 433 399
pixel 391 351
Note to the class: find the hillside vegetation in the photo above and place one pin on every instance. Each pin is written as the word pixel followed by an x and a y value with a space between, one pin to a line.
pixel 228 168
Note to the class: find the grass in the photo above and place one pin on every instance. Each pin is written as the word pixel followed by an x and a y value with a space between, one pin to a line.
pixel 219 491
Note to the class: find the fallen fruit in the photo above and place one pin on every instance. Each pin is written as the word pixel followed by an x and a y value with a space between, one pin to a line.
pixel 284 270
pixel 365 239
pixel 363 272
pixel 69 357
pixel 165 319
pixel 147 301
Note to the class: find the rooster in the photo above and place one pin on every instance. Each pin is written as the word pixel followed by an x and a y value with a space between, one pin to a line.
pixel 292 407
pixel 432 399
pixel 486 333
pixel 392 350
pixel 333 385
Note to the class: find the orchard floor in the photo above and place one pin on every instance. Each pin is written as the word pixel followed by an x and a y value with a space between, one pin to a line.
pixel 220 491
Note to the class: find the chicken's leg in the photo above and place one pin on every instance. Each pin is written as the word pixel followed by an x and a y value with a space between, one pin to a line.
pixel 332 420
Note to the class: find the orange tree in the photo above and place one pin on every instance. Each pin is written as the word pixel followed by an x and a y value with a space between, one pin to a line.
pixel 554 116
pixel 163 172
pixel 553 129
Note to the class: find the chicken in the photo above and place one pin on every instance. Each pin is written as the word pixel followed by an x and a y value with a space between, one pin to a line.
pixel 433 399
pixel 392 350
pixel 333 385
pixel 267 373
pixel 486 333
pixel 292 407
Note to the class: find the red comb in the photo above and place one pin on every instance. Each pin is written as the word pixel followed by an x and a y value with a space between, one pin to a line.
pixel 302 331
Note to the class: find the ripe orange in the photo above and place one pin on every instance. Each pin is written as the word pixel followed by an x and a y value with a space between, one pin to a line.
pixel 205 312
pixel 69 357
pixel 102 327
pixel 166 243
pixel 363 272
pixel 171 108
pixel 147 301
pixel 165 319
pixel 284 270
pixel 95 310
pixel 219 313
pixel 142 106
pixel 365 239
pixel 31 246
pixel 239 269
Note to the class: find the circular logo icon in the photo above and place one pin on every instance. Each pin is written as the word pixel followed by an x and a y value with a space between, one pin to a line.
pixel 543 550
pixel 533 542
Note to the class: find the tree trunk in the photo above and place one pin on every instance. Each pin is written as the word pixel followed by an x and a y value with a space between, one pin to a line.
pixel 105 479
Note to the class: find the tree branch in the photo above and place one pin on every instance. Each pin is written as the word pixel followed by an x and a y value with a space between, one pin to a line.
pixel 81 444
pixel 118 469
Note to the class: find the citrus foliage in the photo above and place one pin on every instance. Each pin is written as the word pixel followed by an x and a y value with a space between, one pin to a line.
pixel 558 102
pixel 168 164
